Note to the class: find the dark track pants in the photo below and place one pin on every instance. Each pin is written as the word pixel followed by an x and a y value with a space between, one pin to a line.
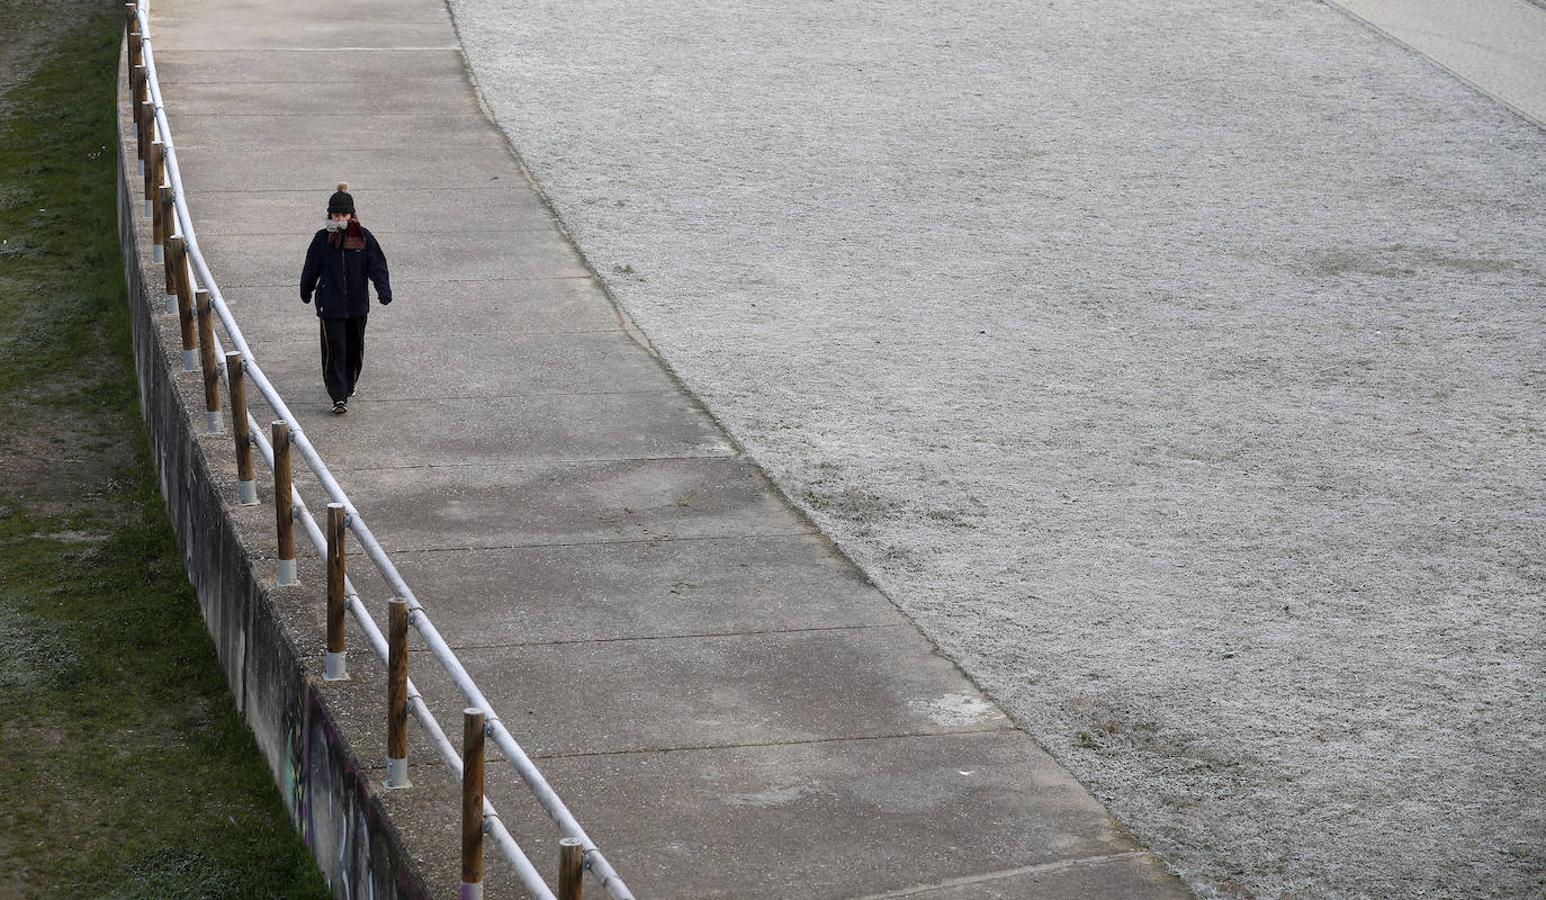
pixel 343 352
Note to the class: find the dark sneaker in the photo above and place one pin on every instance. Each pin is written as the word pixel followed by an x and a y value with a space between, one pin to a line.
pixel 340 407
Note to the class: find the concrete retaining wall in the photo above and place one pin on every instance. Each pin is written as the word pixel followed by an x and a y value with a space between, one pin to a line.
pixel 328 792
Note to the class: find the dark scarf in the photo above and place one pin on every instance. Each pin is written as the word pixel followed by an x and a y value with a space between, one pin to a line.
pixel 352 237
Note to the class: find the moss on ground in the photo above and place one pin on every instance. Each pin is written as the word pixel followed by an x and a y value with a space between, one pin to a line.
pixel 126 771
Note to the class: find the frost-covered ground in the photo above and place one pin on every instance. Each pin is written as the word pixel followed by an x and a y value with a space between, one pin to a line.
pixel 1179 366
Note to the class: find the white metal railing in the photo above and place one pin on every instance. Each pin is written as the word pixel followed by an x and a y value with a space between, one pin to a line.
pixel 595 861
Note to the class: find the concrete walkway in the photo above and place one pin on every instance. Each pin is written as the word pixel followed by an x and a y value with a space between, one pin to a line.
pixel 728 706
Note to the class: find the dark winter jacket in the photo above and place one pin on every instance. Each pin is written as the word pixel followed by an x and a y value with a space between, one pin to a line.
pixel 338 277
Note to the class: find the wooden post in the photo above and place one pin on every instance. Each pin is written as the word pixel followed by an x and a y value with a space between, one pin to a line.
pixel 176 270
pixel 158 230
pixel 571 866
pixel 146 106
pixel 136 73
pixel 152 170
pixel 236 386
pixel 136 61
pixel 131 25
pixel 336 669
pixel 185 313
pixel 138 88
pixel 284 517
pixel 152 164
pixel 168 228
pixel 211 367
pixel 134 83
pixel 397 694
pixel 143 111
pixel 472 804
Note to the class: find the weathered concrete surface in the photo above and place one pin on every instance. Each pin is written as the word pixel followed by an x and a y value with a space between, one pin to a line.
pixel 725 702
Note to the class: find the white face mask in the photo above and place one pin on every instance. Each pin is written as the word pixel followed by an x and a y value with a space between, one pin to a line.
pixel 337 224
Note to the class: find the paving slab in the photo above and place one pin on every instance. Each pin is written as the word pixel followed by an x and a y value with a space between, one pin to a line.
pixel 430 258
pixel 502 445
pixel 639 589
pixel 231 99
pixel 471 507
pixel 192 67
pixel 301 211
pixel 466 308
pixel 725 690
pixel 516 365
pixel 396 12
pixel 200 33
pixel 830 819
pixel 319 169
pixel 263 132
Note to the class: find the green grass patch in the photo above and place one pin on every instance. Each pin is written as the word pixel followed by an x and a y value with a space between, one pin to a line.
pixel 126 771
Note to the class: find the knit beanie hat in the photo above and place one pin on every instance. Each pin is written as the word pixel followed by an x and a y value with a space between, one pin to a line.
pixel 341 202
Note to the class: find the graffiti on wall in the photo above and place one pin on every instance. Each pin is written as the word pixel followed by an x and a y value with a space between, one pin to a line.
pixel 330 802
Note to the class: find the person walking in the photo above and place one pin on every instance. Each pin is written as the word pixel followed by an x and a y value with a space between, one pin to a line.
pixel 342 258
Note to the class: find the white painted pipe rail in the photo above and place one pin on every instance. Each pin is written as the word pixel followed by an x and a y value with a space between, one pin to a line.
pixel 595 861
pixel 378 642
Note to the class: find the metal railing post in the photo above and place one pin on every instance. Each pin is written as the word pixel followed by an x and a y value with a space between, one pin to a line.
pixel 336 668
pixel 472 804
pixel 176 270
pixel 571 868
pixel 284 512
pixel 209 364
pixel 236 386
pixel 397 694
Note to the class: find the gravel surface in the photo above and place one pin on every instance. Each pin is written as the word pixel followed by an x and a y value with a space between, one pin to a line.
pixel 1178 366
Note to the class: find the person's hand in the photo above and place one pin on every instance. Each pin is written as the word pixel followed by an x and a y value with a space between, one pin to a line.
pixel 305 298
pixel 385 300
